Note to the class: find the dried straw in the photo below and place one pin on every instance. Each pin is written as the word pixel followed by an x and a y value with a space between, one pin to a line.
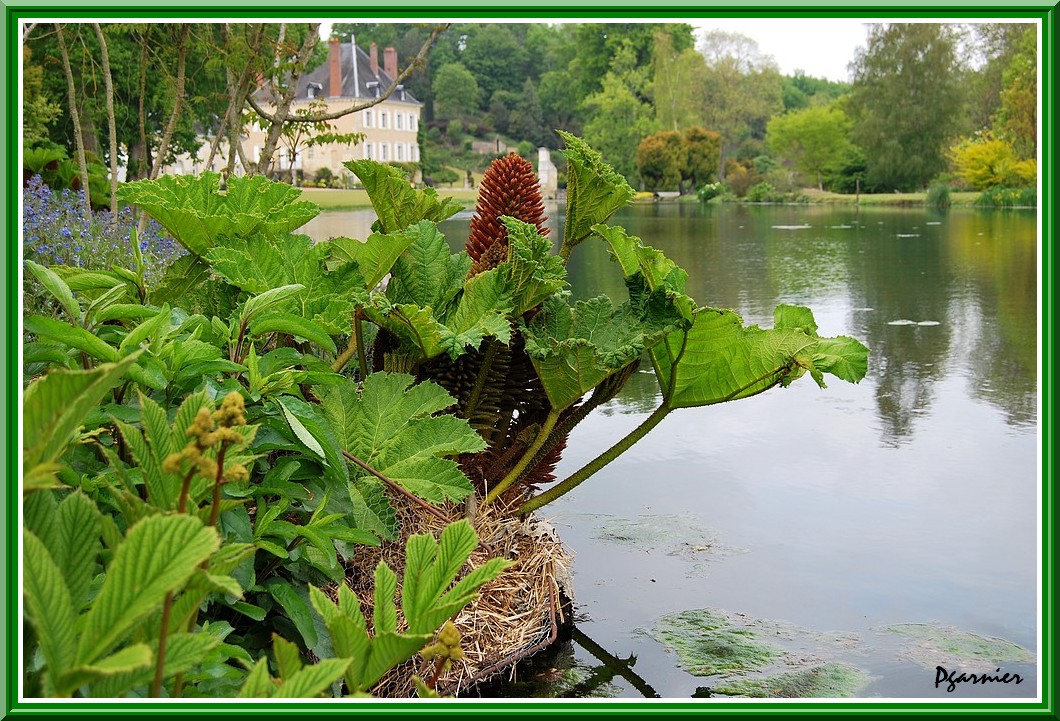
pixel 516 614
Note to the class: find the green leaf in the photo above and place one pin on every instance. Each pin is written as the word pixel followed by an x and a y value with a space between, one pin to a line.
pixel 157 556
pixel 594 191
pixel 719 359
pixel 430 569
pixel 149 329
pixel 300 430
pixel 184 652
pixel 57 287
pixel 196 213
pixel 124 311
pixel 258 684
pixel 296 608
pixel 182 277
pixel 261 264
pixel 288 658
pixel 391 426
pixel 384 612
pixel 313 430
pixel 312 681
pixel 78 545
pixel 371 508
pixel 55 405
pixel 574 349
pixel 635 257
pixel 295 326
pixel 374 257
pixel 73 336
pixel 121 664
pixel 397 205
pixel 531 271
pixel 427 274
pixel 48 605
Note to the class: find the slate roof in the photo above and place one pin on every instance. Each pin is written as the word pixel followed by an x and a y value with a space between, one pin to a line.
pixel 365 77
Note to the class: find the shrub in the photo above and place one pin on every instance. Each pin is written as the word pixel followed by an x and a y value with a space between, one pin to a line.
pixel 938 195
pixel 1008 198
pixel 763 193
pixel 987 162
pixel 709 191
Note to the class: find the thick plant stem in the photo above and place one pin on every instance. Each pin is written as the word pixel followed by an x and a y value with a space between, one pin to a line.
pixel 358 336
pixel 596 464
pixel 539 440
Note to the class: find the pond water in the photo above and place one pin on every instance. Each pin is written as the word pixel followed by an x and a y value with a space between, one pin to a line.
pixel 890 526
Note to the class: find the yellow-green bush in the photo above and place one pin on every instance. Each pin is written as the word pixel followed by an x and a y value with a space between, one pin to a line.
pixel 987 162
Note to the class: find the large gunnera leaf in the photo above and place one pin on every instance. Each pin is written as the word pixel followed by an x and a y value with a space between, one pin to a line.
pixel 594 191
pixel 531 270
pixel 266 262
pixel 719 359
pixel 430 307
pixel 397 204
pixel 195 211
pixel 574 349
pixel 392 425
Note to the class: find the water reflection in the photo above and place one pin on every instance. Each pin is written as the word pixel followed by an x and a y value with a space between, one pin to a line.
pixel 964 282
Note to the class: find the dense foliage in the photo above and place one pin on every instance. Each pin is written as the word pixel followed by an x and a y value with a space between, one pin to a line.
pixel 202 460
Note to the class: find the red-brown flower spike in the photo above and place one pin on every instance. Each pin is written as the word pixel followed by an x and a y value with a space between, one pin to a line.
pixel 509 187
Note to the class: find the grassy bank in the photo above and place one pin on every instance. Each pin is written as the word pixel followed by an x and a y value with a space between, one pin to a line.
pixel 898 199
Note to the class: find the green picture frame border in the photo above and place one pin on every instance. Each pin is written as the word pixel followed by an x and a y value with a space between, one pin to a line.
pixel 14 12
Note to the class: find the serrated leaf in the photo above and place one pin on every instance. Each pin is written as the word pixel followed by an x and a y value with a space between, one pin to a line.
pixel 391 426
pixel 73 336
pixel 182 277
pixel 288 657
pixel 531 272
pixel 58 288
pixel 397 205
pixel 146 330
pixel 78 545
pixel 258 684
pixel 195 211
pixel 594 191
pixel 48 605
pixel 719 359
pixel 375 256
pixel 300 431
pixel 157 556
pixel 574 349
pixel 312 681
pixel 295 326
pixel 121 664
pixel 427 274
pixel 55 405
pixel 384 612
pixel 184 651
pixel 261 264
pixel 100 304
pixel 371 508
pixel 635 257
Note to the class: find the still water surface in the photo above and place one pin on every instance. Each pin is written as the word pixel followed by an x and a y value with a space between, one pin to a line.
pixel 911 497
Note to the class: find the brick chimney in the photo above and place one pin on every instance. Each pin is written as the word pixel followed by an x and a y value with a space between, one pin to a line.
pixel 390 63
pixel 373 57
pixel 334 68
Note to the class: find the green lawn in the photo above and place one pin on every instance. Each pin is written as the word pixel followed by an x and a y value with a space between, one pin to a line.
pixel 337 199
pixel 817 196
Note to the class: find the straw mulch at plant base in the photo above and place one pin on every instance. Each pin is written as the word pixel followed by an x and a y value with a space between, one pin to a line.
pixel 516 615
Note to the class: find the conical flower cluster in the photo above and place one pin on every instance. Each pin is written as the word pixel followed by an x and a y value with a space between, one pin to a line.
pixel 509 187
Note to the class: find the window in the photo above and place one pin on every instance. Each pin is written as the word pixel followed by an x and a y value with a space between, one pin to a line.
pixel 412 122
pixel 367 118
pixel 368 151
pixel 384 119
pixel 399 117
pixel 415 153
pixel 384 154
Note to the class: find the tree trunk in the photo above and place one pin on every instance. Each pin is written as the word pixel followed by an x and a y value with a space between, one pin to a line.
pixel 75 118
pixel 143 167
pixel 178 103
pixel 111 125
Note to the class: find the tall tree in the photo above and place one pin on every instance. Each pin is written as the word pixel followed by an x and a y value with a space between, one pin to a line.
pixel 38 110
pixel 678 80
pixel 906 102
pixel 1017 117
pixel 528 121
pixel 456 93
pixel 741 90
pixel 661 160
pixel 812 139
pixel 617 117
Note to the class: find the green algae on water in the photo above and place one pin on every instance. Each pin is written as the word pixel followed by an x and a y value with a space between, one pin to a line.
pixel 709 644
pixel 933 645
pixel 833 680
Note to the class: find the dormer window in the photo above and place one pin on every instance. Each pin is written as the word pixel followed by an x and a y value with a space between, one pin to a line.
pixel 313 89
